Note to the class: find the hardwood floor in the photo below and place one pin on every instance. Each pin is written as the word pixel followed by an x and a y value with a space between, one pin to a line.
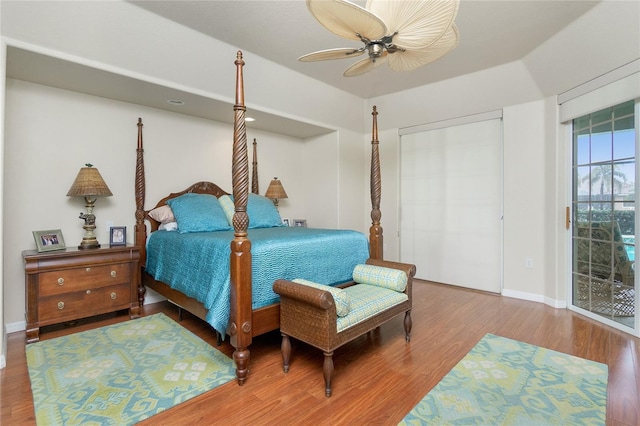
pixel 378 378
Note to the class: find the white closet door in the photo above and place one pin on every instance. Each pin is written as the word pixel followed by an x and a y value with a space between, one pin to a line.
pixel 451 204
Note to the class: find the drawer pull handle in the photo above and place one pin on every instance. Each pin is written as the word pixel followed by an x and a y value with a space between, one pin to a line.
pixel 113 274
pixel 60 281
pixel 60 305
pixel 88 291
pixel 113 296
pixel 88 269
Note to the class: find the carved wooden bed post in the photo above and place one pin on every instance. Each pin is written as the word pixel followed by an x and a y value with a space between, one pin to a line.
pixel 141 227
pixel 375 232
pixel 254 169
pixel 241 276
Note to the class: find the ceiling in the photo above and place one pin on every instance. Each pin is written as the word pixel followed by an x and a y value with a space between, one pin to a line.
pixel 491 33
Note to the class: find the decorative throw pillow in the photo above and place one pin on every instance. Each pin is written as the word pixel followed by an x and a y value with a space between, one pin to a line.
pixel 198 213
pixel 261 210
pixel 393 279
pixel 162 214
pixel 169 226
pixel 340 297
pixel 229 208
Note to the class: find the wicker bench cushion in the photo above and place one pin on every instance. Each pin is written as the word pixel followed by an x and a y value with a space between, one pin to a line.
pixel 340 297
pixel 379 276
pixel 367 301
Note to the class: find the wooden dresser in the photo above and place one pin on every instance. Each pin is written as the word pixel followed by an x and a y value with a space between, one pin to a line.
pixel 70 284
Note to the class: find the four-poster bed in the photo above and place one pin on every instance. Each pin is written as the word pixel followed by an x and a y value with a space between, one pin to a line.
pixel 246 318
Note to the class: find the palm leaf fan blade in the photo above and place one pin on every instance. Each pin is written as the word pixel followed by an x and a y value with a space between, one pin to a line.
pixel 322 55
pixel 412 59
pixel 346 19
pixel 364 66
pixel 418 23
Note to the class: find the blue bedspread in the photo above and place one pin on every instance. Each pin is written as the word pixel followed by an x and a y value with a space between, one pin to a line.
pixel 197 264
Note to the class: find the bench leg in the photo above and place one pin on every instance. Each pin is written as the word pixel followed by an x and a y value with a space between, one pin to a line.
pixel 407 326
pixel 286 352
pixel 327 371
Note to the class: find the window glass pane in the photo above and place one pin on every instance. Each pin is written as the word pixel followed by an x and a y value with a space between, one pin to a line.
pixel 581 145
pixel 581 183
pixel 623 109
pixel 601 116
pixel 624 144
pixel 581 212
pixel 601 147
pixel 623 178
pixel 581 123
pixel 601 182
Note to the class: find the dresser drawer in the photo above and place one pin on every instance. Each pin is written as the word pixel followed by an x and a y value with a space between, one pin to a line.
pixel 70 280
pixel 79 304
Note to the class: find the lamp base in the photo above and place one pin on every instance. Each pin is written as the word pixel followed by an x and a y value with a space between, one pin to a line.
pixel 89 241
pixel 89 244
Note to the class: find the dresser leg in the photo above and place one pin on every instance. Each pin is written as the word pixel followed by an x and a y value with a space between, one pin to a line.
pixel 33 334
pixel 134 312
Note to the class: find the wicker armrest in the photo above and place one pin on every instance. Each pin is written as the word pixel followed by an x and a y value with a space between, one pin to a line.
pixel 300 292
pixel 409 269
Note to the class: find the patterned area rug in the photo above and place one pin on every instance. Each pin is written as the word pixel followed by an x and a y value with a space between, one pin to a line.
pixel 507 382
pixel 123 373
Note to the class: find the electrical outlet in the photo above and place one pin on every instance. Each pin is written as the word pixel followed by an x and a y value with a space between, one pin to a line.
pixel 109 224
pixel 528 262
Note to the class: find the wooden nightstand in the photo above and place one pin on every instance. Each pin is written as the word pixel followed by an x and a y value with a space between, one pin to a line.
pixel 70 284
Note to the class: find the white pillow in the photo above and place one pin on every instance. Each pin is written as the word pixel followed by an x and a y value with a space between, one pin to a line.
pixel 162 214
pixel 169 226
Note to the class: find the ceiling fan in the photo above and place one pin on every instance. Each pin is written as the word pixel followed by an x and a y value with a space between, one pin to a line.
pixel 405 33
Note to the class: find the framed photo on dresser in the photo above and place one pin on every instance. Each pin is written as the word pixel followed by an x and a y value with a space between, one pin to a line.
pixel 302 223
pixel 118 236
pixel 49 240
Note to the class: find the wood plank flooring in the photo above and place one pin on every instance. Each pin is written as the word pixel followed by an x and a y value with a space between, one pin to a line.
pixel 378 378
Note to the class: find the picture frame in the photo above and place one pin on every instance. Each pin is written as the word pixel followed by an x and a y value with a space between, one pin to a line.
pixel 286 221
pixel 117 236
pixel 49 240
pixel 301 223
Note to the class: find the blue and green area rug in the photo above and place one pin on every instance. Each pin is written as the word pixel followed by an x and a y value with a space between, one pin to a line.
pixel 123 373
pixel 507 382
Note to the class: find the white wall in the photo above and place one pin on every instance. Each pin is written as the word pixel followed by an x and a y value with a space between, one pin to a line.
pixel 3 56
pixel 535 178
pixel 51 133
pixel 121 38
pixel 143 45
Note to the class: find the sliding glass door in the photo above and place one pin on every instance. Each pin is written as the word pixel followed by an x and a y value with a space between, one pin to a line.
pixel 604 218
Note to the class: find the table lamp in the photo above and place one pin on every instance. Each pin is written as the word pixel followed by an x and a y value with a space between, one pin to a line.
pixel 275 191
pixel 90 185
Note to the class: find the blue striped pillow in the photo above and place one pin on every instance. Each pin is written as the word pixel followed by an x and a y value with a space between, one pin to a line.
pixel 393 279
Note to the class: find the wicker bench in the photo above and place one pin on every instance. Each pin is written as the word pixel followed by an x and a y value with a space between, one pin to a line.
pixel 328 317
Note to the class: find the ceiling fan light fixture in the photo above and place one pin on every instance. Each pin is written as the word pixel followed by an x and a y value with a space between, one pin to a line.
pixel 414 32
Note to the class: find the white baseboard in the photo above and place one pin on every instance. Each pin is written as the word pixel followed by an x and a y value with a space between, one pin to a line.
pixel 15 326
pixel 534 297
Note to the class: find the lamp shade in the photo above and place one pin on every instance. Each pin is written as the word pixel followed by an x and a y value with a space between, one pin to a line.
pixel 275 191
pixel 89 182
